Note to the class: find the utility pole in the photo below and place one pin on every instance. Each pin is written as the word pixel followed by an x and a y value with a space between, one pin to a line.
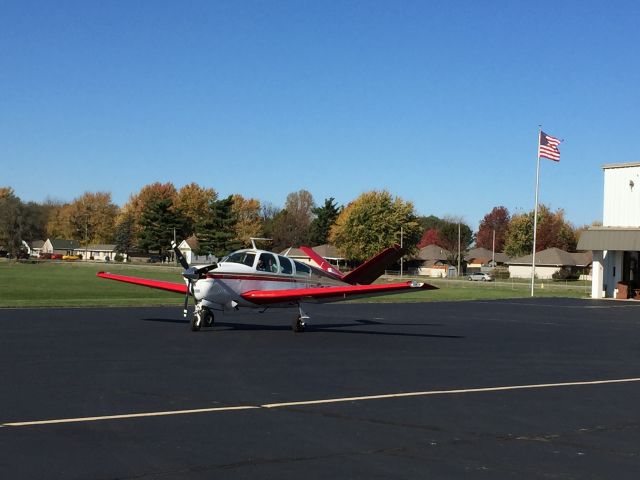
pixel 458 248
pixel 401 258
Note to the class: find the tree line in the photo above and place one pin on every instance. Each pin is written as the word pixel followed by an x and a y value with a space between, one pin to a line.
pixel 371 222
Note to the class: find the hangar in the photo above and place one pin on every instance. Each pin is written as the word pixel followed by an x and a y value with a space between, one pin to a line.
pixel 616 244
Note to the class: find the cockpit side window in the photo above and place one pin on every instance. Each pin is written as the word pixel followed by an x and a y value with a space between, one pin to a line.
pixel 302 269
pixel 245 258
pixel 285 265
pixel 267 263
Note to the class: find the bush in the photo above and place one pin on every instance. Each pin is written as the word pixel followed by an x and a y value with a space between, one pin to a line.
pixel 565 274
pixel 118 257
pixel 500 272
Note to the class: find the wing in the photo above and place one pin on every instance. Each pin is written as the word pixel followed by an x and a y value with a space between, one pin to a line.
pixel 146 282
pixel 330 294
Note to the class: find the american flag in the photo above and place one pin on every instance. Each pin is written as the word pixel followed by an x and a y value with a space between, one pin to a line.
pixel 548 147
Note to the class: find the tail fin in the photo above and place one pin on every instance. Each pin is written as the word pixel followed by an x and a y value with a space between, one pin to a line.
pixel 322 263
pixel 366 273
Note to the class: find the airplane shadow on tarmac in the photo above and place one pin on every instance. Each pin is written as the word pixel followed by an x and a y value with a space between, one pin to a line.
pixel 316 327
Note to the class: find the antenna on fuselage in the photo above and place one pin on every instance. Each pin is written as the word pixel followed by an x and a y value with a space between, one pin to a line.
pixel 253 241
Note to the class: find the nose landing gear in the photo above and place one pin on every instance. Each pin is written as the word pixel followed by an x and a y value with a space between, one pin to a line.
pixel 202 317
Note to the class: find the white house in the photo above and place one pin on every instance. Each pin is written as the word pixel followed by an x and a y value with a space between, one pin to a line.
pixel 548 262
pixel 189 247
pixel 616 245
pixel 103 253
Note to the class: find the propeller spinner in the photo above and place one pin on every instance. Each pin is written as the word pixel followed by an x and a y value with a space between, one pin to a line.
pixel 191 274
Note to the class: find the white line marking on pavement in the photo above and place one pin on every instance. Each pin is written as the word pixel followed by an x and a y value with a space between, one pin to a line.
pixel 129 415
pixel 320 402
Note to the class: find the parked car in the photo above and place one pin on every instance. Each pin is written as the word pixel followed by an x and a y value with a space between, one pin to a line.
pixel 480 277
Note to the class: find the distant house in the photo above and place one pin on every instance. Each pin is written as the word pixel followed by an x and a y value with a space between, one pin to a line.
pixel 431 261
pixel 477 258
pixel 60 246
pixel 326 251
pixel 189 247
pixel 104 252
pixel 34 248
pixel 548 262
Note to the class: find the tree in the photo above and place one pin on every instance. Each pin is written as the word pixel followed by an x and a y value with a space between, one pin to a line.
pixel 431 222
pixel 193 201
pixel 216 234
pixel 497 220
pixel 248 223
pixel 268 214
pixel 92 218
pixel 292 226
pixel 11 227
pixel 373 222
pixel 125 237
pixel 519 238
pixel 59 222
pixel 148 195
pixel 449 233
pixel 157 225
pixel 553 231
pixel 35 217
pixel 429 237
pixel 326 216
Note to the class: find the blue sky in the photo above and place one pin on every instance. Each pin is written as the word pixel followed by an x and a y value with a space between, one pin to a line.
pixel 437 101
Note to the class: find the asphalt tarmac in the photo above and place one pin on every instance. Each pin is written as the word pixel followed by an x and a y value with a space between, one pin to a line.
pixel 541 388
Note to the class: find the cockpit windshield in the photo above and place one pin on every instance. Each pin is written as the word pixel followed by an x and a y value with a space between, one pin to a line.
pixel 244 258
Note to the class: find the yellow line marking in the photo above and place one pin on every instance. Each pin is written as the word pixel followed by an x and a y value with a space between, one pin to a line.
pixel 320 402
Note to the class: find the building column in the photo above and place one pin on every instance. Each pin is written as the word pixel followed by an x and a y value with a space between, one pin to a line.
pixel 597 274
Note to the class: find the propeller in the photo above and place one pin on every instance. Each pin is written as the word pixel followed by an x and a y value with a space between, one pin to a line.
pixel 191 274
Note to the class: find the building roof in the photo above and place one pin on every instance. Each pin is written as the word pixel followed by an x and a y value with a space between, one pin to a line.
pixel 621 165
pixel 104 247
pixel 432 252
pixel 554 257
pixel 61 244
pixel 608 238
pixel 485 254
pixel 37 244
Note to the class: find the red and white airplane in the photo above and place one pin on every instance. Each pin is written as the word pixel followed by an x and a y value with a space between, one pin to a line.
pixel 254 278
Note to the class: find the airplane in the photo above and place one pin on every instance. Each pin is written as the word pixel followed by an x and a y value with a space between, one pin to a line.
pixel 255 278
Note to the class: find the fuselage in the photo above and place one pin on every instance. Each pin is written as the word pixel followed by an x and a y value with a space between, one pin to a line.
pixel 251 269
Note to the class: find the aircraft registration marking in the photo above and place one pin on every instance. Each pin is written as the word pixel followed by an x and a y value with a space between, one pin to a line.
pixel 320 402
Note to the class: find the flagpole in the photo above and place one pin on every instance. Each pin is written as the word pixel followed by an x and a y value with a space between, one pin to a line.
pixel 535 215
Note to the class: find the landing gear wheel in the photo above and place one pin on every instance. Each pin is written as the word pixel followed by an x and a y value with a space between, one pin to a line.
pixel 207 318
pixel 298 325
pixel 196 322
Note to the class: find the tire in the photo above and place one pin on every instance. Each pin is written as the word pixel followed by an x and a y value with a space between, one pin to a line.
pixel 207 320
pixel 196 322
pixel 298 325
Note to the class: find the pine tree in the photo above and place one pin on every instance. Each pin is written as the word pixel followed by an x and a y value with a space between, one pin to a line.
pixel 125 234
pixel 325 217
pixel 216 234
pixel 158 222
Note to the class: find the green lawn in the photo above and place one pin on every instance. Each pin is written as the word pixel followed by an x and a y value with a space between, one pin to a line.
pixel 53 284
pixel 454 290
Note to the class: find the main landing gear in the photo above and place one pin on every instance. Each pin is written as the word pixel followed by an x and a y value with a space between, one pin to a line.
pixel 202 317
pixel 300 321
